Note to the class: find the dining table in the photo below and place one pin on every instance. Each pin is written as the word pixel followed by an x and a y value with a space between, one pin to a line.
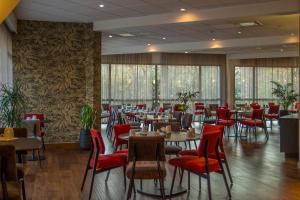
pixel 173 136
pixel 22 145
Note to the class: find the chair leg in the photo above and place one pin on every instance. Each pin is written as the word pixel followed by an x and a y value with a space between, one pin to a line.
pixel 43 143
pixel 173 180
pixel 195 144
pixel 84 177
pixel 107 176
pixel 130 189
pixel 23 190
pixel 209 186
pixel 162 188
pixel 189 181
pixel 226 183
pixel 4 190
pixel 92 184
pixel 228 170
pixel 124 176
pixel 182 171
pixel 39 158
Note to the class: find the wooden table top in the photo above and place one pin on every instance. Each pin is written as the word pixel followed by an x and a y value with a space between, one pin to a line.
pixel 180 136
pixel 24 144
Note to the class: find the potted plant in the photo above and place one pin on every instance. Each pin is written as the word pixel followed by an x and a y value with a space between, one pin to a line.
pixel 87 121
pixel 12 105
pixel 286 96
pixel 184 98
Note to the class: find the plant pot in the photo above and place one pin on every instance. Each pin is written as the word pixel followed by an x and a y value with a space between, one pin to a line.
pixel 85 139
pixel 283 113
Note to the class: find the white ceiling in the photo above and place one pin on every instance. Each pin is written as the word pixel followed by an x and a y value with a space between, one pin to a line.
pixel 278 24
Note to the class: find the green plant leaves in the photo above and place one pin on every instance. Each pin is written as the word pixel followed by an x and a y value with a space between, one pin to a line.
pixel 87 116
pixel 285 93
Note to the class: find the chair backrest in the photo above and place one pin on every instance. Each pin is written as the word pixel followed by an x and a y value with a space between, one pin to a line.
pixel 177 115
pixel 257 114
pixel 255 105
pixel 187 120
pixel 175 126
pixel 271 103
pixel 97 141
pixel 39 116
pixel 209 143
pixel 18 132
pixel 223 113
pixel 121 129
pixel 167 106
pixel 199 106
pixel 8 168
pixel 211 127
pixel 273 109
pixel 146 148
pixel 177 107
pixel 207 112
pixel 213 107
pixel 105 107
pixel 297 105
pixel 141 106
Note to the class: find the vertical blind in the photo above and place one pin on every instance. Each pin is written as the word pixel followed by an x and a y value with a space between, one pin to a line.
pixel 5 56
pixel 130 84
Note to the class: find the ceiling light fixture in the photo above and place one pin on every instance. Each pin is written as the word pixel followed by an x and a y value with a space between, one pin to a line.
pixel 281 50
pixel 292 34
pixel 239 32
pixel 126 35
pixel 164 38
pixel 149 44
pixel 101 6
pixel 182 9
pixel 110 36
pixel 248 24
pixel 213 39
pixel 186 52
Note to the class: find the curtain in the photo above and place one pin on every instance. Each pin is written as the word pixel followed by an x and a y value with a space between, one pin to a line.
pixel 5 56
pixel 243 85
pixel 210 84
pixel 105 85
pixel 174 79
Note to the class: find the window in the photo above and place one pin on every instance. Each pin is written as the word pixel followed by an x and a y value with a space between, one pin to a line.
pixel 5 56
pixel 260 82
pixel 210 84
pixel 243 85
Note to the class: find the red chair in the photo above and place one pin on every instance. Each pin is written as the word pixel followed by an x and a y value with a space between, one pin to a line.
pixel 296 108
pixel 271 104
pixel 273 113
pixel 199 109
pixel 161 110
pixel 223 118
pixel 42 132
pixel 177 108
pixel 197 152
pixel 121 129
pixel 255 105
pixel 99 162
pixel 141 106
pixel 202 165
pixel 257 120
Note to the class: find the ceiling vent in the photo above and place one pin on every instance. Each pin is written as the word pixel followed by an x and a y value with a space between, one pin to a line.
pixel 249 24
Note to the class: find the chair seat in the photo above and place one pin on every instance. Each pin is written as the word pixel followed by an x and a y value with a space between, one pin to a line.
pixel 182 160
pixel 272 116
pixel 109 161
pixel 146 170
pixel 198 165
pixel 251 122
pixel 225 122
pixel 172 150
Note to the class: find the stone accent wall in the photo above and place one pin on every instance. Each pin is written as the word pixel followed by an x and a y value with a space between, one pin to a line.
pixel 56 63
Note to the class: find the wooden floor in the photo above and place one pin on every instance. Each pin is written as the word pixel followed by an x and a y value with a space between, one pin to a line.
pixel 259 171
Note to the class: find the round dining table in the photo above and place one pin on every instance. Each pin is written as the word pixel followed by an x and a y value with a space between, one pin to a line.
pixel 174 136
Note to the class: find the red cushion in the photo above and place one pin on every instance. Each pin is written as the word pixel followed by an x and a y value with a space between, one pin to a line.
pixel 198 112
pixel 228 122
pixel 109 161
pixel 214 156
pixel 180 161
pixel 198 165
pixel 250 122
pixel 122 151
pixel 271 116
pixel 189 153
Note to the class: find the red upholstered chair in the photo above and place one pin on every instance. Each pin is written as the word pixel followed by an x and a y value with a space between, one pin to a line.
pixel 196 152
pixel 223 118
pixel 257 120
pixel 177 107
pixel 296 108
pixel 255 105
pixel 161 110
pixel 202 165
pixel 141 106
pixel 271 104
pixel 120 129
pixel 99 162
pixel 40 117
pixel 273 113
pixel 199 110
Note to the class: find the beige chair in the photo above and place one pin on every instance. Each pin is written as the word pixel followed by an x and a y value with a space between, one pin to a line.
pixel 146 156
pixel 11 175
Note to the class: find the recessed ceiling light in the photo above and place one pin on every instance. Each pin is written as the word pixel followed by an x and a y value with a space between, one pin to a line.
pixel 292 34
pixel 182 9
pixel 110 36
pixel 101 6
pixel 239 32
pixel 281 50
pixel 186 52
pixel 149 44
pixel 258 48
pixel 254 23
pixel 213 39
pixel 126 35
pixel 164 38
